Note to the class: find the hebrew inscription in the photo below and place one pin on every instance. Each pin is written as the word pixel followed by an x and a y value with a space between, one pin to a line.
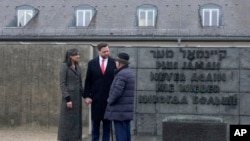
pixel 190 72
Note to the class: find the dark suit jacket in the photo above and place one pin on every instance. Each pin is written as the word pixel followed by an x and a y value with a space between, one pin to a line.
pixel 97 86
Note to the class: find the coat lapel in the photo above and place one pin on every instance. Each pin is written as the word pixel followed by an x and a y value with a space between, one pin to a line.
pixel 97 64
pixel 109 67
pixel 75 72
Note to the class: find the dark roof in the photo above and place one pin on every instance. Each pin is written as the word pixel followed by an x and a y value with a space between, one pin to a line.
pixel 116 19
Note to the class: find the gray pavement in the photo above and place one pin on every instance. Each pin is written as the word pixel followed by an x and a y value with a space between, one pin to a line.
pixel 136 138
pixel 49 134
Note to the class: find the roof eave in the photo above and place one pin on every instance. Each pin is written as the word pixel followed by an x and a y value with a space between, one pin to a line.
pixel 124 38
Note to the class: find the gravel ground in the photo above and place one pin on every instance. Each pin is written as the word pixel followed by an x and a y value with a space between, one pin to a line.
pixel 29 134
pixel 50 134
pixel 9 135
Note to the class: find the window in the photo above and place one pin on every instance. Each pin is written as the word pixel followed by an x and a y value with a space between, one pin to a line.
pixel 146 15
pixel 210 14
pixel 24 13
pixel 24 16
pixel 210 17
pixel 84 15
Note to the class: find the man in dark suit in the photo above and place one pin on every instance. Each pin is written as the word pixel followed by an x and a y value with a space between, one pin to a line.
pixel 100 74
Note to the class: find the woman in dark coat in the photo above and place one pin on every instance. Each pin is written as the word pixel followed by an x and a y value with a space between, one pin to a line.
pixel 70 121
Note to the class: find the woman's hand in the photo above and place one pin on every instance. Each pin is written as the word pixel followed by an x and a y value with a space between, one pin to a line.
pixel 69 105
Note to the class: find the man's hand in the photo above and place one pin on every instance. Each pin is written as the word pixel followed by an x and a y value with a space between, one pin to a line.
pixel 88 100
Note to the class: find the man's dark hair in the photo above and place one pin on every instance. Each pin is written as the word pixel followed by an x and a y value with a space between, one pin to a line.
pixel 101 45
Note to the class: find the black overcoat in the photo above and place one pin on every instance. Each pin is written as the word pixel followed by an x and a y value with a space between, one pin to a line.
pixel 97 86
pixel 70 120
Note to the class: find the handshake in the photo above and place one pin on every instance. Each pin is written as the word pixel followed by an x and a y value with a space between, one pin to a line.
pixel 87 100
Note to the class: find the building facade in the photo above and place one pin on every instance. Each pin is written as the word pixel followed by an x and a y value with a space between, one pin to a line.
pixel 166 23
pixel 44 29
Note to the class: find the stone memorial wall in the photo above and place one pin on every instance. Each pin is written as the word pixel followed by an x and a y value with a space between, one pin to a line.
pixel 189 81
pixel 170 81
pixel 29 84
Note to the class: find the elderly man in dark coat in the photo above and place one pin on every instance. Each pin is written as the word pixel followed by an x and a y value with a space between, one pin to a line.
pixel 120 108
pixel 100 74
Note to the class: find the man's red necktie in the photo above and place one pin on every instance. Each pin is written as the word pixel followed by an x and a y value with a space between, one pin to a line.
pixel 102 66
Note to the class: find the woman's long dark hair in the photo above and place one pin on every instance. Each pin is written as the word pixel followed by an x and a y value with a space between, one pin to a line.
pixel 70 52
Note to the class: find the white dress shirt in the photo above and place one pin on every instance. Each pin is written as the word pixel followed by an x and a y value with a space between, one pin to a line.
pixel 105 62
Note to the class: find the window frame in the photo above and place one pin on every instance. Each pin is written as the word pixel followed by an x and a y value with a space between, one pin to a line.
pixel 147 19
pixel 146 10
pixel 22 13
pixel 84 20
pixel 85 9
pixel 210 11
pixel 25 18
pixel 210 8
